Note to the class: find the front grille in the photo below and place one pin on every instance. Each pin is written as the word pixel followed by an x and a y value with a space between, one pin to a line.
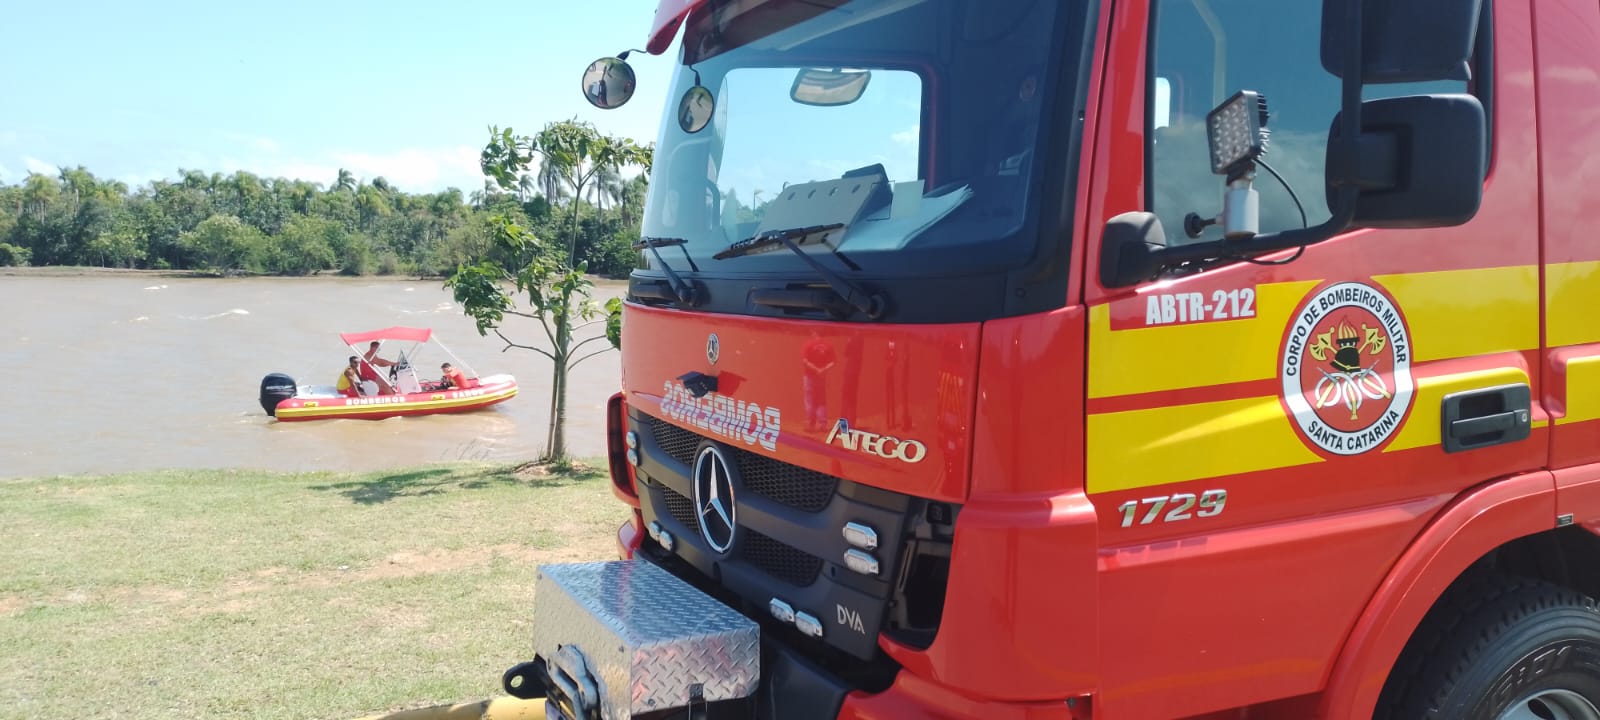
pixel 796 487
pixel 675 441
pixel 680 507
pixel 799 488
pixel 774 558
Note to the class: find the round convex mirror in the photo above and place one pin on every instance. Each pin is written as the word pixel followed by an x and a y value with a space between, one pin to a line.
pixel 608 83
pixel 694 110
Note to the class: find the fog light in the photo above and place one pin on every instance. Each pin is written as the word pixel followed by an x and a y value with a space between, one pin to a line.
pixel 633 439
pixel 808 624
pixel 1237 132
pixel 861 536
pixel 654 529
pixel 633 457
pixel 666 540
pixel 861 562
pixel 784 612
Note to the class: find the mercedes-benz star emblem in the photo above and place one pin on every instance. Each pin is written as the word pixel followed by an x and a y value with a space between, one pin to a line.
pixel 713 349
pixel 713 498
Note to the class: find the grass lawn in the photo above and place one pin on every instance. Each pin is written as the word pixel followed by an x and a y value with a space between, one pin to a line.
pixel 261 595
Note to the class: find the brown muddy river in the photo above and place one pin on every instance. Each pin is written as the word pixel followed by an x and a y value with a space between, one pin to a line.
pixel 114 373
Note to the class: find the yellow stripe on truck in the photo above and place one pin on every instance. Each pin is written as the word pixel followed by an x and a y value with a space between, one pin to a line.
pixel 1573 298
pixel 1465 313
pixel 1583 391
pixel 1143 360
pixel 1450 314
pixel 1159 446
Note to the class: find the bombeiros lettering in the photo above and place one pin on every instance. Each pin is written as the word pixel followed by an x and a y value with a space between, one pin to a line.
pixel 723 416
pixel 884 446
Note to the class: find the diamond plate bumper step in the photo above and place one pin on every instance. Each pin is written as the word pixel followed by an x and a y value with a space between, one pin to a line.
pixel 615 640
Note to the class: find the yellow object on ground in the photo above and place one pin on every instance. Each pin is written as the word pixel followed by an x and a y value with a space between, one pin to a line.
pixel 504 708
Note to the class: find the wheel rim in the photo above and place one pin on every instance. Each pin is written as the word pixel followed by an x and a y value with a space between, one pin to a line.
pixel 1552 705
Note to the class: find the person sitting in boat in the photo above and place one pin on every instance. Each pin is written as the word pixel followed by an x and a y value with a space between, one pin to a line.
pixel 453 379
pixel 369 373
pixel 350 380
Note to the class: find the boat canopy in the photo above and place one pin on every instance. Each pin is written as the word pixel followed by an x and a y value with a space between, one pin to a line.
pixel 406 334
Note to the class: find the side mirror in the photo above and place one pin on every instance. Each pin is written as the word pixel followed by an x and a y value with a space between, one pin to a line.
pixel 828 88
pixel 608 83
pixel 1403 40
pixel 695 108
pixel 1420 162
pixel 1127 249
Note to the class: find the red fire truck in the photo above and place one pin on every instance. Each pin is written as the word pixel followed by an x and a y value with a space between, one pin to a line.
pixel 1104 359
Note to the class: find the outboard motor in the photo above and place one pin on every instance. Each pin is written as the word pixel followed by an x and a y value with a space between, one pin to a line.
pixel 275 388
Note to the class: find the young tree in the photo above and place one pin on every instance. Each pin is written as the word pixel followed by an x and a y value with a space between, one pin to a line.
pixel 558 293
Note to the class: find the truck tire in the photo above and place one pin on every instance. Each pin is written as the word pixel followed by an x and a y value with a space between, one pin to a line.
pixel 1500 648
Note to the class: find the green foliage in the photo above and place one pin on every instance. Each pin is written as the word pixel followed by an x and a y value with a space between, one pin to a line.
pixel 75 218
pixel 223 243
pixel 305 246
pixel 12 256
pixel 613 255
pixel 355 258
pixel 574 160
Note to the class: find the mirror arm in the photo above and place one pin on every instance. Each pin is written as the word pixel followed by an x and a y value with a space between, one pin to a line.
pixel 1346 175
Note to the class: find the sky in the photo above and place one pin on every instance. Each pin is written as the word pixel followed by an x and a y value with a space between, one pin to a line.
pixel 401 89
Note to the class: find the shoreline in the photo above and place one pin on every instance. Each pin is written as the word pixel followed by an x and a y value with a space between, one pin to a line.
pixel 77 271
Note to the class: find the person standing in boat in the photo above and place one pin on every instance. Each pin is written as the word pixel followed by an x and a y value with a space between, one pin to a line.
pixel 369 373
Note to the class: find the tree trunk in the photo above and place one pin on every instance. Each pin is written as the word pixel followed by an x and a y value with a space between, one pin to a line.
pixel 550 432
pixel 572 237
pixel 556 441
pixel 559 422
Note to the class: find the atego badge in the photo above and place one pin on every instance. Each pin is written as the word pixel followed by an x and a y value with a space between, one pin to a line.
pixel 1347 369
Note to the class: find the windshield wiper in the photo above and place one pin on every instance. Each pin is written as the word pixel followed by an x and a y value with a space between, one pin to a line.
pixel 683 291
pixel 871 304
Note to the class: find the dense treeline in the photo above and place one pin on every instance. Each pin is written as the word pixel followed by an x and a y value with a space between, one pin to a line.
pixel 242 223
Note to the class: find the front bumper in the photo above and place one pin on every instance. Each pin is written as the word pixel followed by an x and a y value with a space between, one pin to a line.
pixel 626 639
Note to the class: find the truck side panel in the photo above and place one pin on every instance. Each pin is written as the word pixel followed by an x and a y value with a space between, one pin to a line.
pixel 1254 602
pixel 1568 51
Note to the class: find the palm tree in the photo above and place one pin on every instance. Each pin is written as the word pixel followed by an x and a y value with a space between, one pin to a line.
pixel 631 199
pixel 38 192
pixel 345 181
pixel 607 186
pixel 552 182
pixel 193 179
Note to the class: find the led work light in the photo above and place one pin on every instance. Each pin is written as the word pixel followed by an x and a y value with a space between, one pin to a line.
pixel 1237 132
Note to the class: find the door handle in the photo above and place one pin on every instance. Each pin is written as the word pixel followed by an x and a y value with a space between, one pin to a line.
pixel 1488 416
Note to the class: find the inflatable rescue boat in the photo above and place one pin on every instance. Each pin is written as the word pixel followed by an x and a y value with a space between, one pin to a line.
pixel 389 387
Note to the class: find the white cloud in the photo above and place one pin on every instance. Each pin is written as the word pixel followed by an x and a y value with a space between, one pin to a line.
pixel 421 168
pixel 908 137
pixel 35 165
pixel 413 169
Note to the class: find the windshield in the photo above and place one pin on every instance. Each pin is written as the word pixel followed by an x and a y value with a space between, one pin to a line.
pixel 932 109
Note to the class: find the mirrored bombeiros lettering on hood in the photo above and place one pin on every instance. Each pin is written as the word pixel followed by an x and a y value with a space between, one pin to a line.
pixel 723 416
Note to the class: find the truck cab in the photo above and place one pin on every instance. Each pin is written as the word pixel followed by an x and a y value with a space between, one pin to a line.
pixel 1147 359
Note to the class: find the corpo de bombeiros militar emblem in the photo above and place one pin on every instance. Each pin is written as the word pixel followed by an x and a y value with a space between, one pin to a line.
pixel 1347 368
